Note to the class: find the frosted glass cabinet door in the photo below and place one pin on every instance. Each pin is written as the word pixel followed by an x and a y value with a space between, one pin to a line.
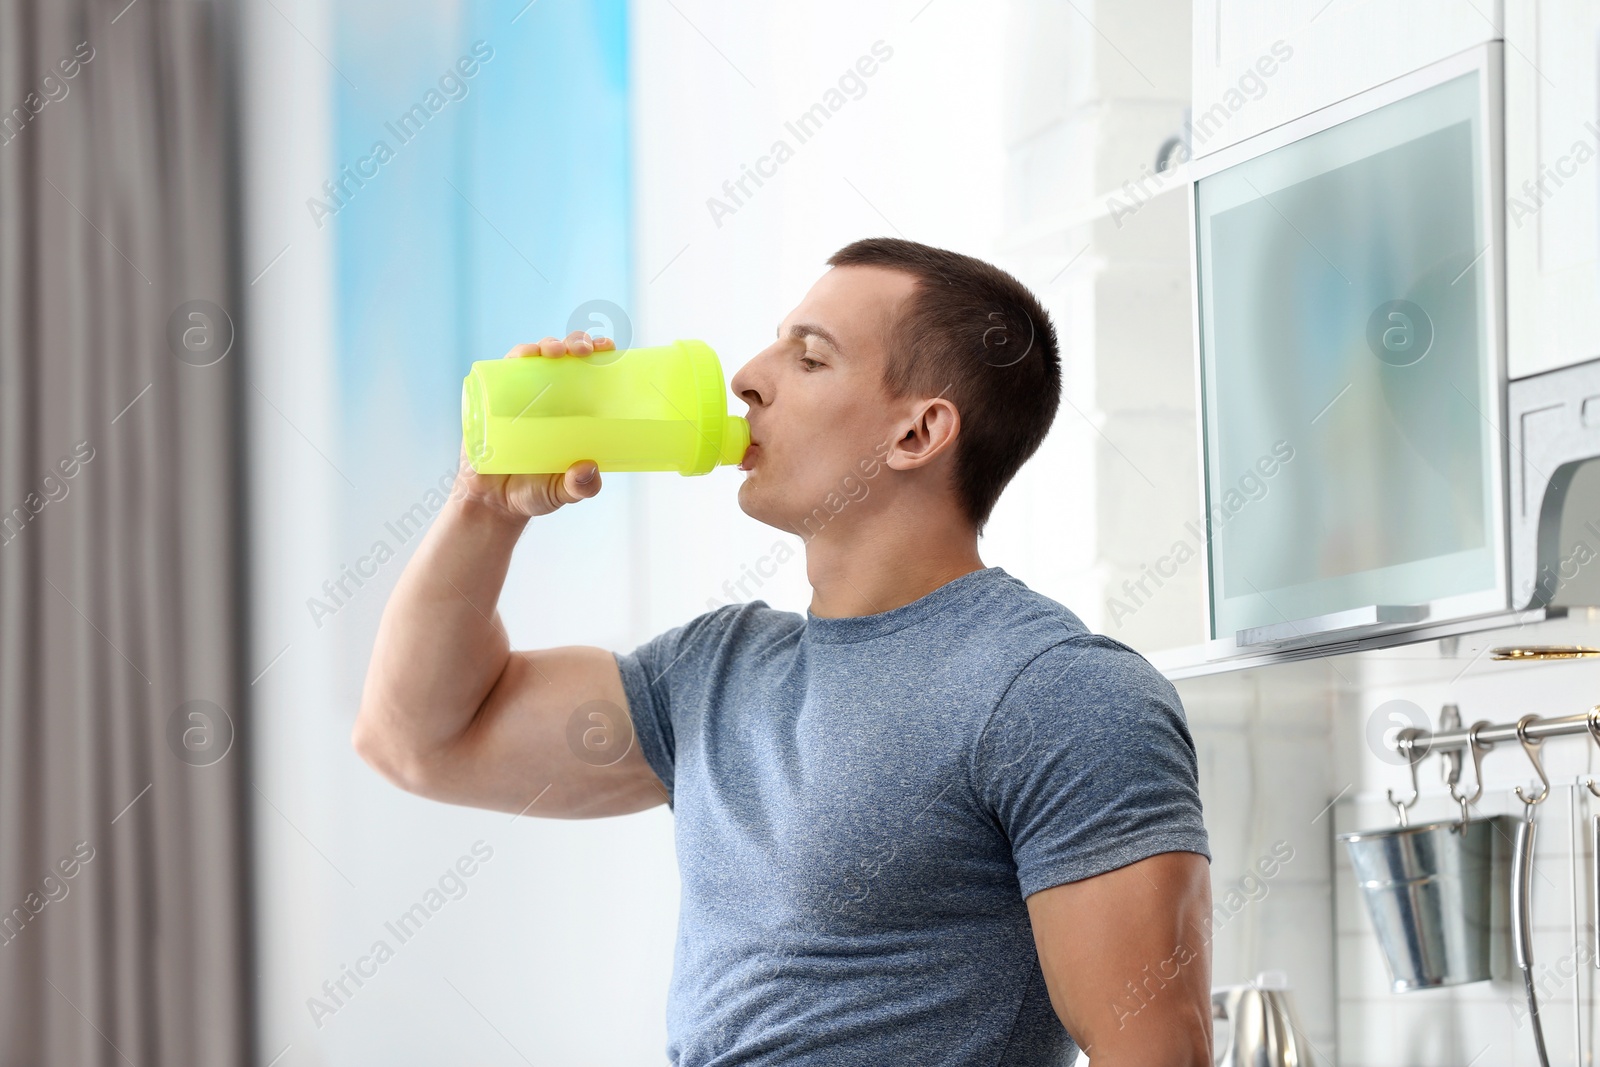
pixel 1348 284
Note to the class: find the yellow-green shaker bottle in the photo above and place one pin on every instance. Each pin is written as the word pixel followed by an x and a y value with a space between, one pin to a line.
pixel 640 409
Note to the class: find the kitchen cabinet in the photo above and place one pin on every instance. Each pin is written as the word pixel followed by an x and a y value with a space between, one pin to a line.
pixel 1260 63
pixel 1414 505
pixel 1552 184
pixel 1349 323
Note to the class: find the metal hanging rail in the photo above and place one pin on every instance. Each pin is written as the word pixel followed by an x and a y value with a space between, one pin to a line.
pixel 1422 742
pixel 1454 741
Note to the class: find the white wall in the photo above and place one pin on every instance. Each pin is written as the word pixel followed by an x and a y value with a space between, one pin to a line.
pixel 286 341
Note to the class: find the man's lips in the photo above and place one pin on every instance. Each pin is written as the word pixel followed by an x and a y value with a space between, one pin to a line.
pixel 749 459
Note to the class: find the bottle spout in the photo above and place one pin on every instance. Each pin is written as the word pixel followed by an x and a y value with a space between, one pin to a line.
pixel 735 440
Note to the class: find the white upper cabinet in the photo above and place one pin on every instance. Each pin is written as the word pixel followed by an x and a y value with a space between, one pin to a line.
pixel 1260 63
pixel 1552 184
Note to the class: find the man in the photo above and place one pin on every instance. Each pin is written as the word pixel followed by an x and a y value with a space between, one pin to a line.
pixel 934 820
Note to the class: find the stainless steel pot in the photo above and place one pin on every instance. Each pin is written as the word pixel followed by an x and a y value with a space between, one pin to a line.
pixel 1430 893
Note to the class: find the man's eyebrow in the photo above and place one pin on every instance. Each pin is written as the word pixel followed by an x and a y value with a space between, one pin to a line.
pixel 801 330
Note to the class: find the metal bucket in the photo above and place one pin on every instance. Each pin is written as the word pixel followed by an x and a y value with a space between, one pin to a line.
pixel 1430 891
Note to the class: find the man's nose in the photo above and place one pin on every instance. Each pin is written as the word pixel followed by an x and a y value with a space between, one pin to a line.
pixel 746 383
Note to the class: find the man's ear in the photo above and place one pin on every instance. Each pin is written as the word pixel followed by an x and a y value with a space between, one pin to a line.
pixel 930 434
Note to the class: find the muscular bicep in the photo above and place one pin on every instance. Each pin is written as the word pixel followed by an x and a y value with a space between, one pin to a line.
pixel 553 738
pixel 1127 960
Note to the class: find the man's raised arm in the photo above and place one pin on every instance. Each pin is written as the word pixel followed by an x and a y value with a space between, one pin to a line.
pixel 449 711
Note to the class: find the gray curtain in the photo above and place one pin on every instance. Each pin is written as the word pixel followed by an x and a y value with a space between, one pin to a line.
pixel 123 884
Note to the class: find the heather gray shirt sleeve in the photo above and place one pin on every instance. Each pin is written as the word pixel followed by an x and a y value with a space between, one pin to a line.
pixel 1087 764
pixel 673 661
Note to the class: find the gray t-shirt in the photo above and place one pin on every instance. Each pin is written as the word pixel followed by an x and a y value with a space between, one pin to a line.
pixel 861 805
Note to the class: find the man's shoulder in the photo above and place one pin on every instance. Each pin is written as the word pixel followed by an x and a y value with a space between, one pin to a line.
pixel 1004 623
pixel 1047 629
pixel 1055 643
pixel 705 651
pixel 752 614
pixel 738 626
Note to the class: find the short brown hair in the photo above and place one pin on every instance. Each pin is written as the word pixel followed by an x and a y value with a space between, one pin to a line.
pixel 974 334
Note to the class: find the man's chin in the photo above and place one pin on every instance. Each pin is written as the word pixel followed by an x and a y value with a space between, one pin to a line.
pixel 754 503
pixel 749 501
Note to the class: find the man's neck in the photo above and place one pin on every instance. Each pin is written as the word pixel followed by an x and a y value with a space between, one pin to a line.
pixel 867 572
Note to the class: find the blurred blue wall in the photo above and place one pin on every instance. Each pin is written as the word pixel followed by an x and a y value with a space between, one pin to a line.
pixel 483 199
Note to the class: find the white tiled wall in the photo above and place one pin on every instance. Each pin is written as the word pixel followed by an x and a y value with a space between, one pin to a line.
pixel 1263 740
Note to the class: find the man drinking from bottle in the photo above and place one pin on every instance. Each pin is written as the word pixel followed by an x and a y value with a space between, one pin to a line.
pixel 931 820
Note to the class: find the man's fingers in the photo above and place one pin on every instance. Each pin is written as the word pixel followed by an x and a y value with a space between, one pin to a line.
pixel 581 481
pixel 542 494
pixel 577 343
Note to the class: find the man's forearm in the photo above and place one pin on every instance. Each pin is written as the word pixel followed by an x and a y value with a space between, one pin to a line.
pixel 440 646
